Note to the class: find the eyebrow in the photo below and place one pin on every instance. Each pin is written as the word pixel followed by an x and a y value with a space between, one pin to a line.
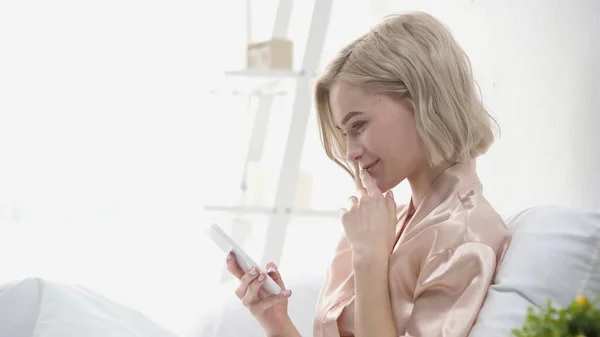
pixel 348 116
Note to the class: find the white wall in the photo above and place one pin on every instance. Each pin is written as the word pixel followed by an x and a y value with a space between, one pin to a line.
pixel 538 65
pixel 107 135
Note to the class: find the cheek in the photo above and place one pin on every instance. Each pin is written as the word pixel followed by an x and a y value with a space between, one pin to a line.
pixel 392 142
pixel 401 146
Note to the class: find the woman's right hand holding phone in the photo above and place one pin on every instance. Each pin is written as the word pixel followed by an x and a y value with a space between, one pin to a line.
pixel 269 310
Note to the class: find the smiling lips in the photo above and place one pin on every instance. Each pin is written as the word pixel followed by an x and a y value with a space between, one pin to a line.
pixel 370 166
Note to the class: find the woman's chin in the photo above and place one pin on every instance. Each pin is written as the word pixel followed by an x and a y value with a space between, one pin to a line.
pixel 383 185
pixel 386 185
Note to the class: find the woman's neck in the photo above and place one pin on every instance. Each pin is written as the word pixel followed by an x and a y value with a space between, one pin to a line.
pixel 421 181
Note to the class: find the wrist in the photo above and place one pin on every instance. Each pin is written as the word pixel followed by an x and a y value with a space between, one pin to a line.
pixel 369 258
pixel 290 330
pixel 293 333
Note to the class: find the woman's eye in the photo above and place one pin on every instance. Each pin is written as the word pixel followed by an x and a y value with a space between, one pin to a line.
pixel 355 128
pixel 357 125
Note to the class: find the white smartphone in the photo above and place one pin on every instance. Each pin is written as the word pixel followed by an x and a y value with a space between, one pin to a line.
pixel 226 243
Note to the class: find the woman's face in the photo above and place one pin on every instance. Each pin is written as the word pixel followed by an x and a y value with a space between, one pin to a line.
pixel 380 132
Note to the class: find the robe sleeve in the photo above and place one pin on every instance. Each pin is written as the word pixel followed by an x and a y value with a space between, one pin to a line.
pixel 450 291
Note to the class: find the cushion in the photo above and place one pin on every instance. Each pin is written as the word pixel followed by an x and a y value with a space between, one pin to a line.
pixel 554 254
pixel 42 308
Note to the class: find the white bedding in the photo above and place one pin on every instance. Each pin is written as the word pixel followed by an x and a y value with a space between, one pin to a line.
pixel 41 308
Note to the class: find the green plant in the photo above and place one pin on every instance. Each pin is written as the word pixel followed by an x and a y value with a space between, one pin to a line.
pixel 580 319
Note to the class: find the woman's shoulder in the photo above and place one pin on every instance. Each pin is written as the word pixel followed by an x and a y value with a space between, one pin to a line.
pixel 484 224
pixel 480 222
pixel 468 219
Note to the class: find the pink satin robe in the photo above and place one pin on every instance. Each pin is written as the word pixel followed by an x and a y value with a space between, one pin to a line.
pixel 441 266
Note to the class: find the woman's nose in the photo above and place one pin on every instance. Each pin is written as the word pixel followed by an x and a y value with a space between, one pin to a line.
pixel 353 151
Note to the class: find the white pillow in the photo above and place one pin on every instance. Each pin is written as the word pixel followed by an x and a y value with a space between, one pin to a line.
pixel 50 309
pixel 554 254
pixel 19 307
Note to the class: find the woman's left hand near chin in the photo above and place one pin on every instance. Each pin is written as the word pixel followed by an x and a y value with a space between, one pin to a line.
pixel 370 222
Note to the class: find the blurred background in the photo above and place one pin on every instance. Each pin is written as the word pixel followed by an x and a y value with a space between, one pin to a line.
pixel 124 133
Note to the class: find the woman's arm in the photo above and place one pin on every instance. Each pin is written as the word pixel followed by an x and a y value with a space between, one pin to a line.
pixel 450 290
pixel 291 331
pixel 373 310
pixel 370 226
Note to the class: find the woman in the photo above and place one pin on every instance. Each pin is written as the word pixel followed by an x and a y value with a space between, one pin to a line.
pixel 400 103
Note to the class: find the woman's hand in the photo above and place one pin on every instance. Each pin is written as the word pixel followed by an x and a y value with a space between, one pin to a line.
pixel 269 310
pixel 370 221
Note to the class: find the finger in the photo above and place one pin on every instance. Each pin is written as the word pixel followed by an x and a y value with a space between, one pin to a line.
pixel 369 183
pixel 273 272
pixel 233 267
pixel 260 306
pixel 362 192
pixel 353 201
pixel 251 295
pixel 342 211
pixel 245 282
pixel 391 204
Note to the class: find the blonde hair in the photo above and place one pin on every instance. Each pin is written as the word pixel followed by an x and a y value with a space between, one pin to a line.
pixel 414 57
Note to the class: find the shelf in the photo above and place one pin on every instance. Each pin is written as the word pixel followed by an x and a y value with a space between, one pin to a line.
pixel 258 82
pixel 240 209
pixel 270 210
pixel 266 73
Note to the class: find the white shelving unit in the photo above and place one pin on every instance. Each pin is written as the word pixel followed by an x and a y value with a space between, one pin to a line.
pixel 266 84
pixel 261 83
